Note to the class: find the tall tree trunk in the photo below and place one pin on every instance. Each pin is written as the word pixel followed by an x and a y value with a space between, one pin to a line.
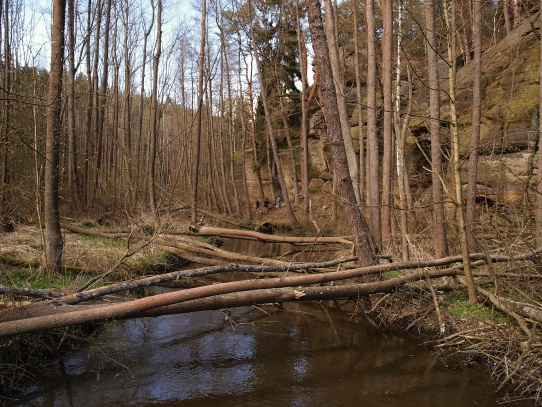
pixel 373 183
pixel 73 178
pixel 128 158
pixel 359 100
pixel 153 131
pixel 291 156
pixel 338 82
pixel 89 146
pixel 4 127
pixel 231 135
pixel 360 232
pixel 400 139
pixel 476 118
pixel 304 138
pixel 539 161
pixel 114 163
pixel 197 144
pixel 139 144
pixel 102 100
pixel 460 209
pixel 53 237
pixel 439 222
pixel 241 113
pixel 95 132
pixel 387 158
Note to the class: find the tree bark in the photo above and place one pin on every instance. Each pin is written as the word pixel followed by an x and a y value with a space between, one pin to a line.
pixel 373 182
pixel 197 144
pixel 359 101
pixel 153 130
pixel 388 154
pixel 73 172
pixel 361 236
pixel 338 82
pixel 305 106
pixel 460 208
pixel 53 237
pixel 539 159
pixel 476 118
pixel 440 241
pixel 6 104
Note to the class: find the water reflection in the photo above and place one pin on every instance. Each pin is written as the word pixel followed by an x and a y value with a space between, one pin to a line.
pixel 303 355
pixel 298 253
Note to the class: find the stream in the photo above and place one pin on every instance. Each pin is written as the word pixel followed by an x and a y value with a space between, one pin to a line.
pixel 298 354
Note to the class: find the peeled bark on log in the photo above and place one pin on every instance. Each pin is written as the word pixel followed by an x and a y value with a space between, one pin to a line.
pixel 182 243
pixel 139 307
pixel 142 306
pixel 249 234
pixel 30 292
pixel 185 274
pixel 509 306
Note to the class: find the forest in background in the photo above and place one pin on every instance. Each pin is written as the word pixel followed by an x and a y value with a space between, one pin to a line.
pixel 403 135
pixel 155 110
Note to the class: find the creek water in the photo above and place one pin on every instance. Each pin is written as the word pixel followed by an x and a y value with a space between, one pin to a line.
pixel 302 354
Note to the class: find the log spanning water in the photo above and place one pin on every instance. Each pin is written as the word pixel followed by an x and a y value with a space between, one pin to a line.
pixel 260 286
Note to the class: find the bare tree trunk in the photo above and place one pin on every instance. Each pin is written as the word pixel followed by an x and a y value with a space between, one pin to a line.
pixel 304 142
pixel 361 236
pixel 4 8
pixel 506 12
pixel 460 209
pixel 231 135
pixel 539 154
pixel 291 156
pixel 359 100
pixel 476 118
pixel 89 147
pixel 373 183
pixel 400 139
pixel 387 158
pixel 197 144
pixel 153 130
pixel 101 98
pixel 244 129
pixel 139 143
pixel 53 237
pixel 73 173
pixel 439 227
pixel 338 82
pixel 127 138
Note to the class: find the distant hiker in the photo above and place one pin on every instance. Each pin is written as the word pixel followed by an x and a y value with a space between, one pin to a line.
pixel 277 202
pixel 266 204
pixel 257 203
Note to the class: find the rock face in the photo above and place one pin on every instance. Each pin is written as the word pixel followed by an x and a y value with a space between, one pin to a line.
pixel 509 127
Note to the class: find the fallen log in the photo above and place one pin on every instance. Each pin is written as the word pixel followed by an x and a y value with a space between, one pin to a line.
pixel 250 234
pixel 180 243
pixel 139 307
pixel 510 306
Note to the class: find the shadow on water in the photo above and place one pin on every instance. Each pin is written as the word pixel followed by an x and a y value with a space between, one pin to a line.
pixel 296 355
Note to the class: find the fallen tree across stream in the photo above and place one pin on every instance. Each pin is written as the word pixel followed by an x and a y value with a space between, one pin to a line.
pixel 64 311
pixel 196 251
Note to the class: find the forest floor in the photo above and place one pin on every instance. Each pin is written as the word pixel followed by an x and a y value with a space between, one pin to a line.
pixel 509 344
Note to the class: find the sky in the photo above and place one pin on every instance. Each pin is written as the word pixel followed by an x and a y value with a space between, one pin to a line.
pixel 35 49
